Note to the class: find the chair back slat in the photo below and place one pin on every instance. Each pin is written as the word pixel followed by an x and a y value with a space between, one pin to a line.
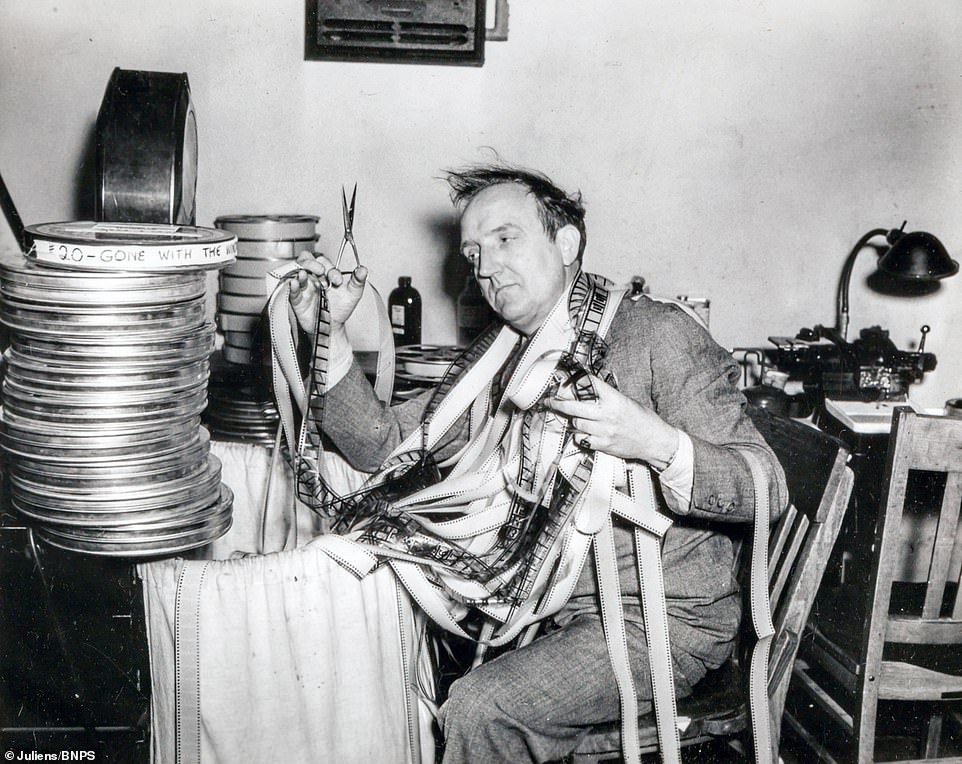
pixel 934 443
pixel 790 609
pixel 914 630
pixel 946 538
pixel 779 538
pixel 782 567
pixel 957 605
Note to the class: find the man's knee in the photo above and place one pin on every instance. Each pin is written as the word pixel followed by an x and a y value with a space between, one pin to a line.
pixel 470 700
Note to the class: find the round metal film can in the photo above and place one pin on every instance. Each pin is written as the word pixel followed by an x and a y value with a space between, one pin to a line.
pixel 269 227
pixel 97 246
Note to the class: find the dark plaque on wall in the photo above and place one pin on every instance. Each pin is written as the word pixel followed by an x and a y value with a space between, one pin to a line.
pixel 402 31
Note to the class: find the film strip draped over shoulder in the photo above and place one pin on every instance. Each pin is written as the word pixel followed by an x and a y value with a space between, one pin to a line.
pixel 489 530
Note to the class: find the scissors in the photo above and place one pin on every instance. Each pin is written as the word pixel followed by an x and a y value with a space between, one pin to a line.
pixel 347 210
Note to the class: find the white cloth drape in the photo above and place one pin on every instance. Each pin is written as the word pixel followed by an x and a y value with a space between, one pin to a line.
pixel 297 659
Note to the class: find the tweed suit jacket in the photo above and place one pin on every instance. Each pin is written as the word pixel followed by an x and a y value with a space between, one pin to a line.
pixel 661 357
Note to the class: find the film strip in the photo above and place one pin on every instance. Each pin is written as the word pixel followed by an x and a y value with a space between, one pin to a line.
pixel 527 538
pixel 409 472
pixel 532 528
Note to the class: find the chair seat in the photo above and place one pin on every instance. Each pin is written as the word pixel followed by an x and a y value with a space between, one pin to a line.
pixel 716 708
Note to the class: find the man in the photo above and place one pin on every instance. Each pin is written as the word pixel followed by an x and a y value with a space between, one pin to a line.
pixel 664 397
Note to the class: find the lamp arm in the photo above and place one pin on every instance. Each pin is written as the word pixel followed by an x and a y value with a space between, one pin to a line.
pixel 842 304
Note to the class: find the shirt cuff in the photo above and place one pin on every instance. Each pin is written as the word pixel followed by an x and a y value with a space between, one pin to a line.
pixel 677 479
pixel 340 359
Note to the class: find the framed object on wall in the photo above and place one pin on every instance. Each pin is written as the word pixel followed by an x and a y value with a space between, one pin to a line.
pixel 399 31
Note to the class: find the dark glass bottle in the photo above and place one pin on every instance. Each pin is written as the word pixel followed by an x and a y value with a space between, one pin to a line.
pixel 474 313
pixel 404 308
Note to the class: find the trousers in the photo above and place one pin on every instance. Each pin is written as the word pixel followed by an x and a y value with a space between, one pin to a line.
pixel 535 704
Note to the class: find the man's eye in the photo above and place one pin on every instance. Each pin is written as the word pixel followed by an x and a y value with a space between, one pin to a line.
pixel 471 254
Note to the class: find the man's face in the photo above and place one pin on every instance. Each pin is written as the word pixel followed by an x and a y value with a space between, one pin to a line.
pixel 521 271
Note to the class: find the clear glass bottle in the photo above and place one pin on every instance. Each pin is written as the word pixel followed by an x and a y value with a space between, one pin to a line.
pixel 474 313
pixel 404 308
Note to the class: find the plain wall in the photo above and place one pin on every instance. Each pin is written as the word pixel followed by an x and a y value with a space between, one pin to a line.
pixel 734 151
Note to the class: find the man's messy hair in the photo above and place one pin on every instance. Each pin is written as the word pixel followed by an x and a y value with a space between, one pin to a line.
pixel 556 208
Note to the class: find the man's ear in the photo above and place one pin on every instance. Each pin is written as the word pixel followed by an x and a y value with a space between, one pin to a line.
pixel 569 240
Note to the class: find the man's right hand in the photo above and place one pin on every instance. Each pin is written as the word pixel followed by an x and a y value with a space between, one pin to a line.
pixel 343 291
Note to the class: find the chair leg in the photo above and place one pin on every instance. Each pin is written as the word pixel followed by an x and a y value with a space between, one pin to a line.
pixel 933 735
pixel 865 722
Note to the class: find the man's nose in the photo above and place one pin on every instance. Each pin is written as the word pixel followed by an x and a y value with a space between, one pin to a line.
pixel 488 263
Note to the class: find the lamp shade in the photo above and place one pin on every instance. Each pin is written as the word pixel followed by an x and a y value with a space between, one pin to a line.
pixel 919 256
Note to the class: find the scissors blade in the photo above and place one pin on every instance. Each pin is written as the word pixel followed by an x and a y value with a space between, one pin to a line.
pixel 348 209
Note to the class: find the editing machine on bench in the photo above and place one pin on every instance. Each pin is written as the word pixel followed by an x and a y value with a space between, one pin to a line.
pixel 800 372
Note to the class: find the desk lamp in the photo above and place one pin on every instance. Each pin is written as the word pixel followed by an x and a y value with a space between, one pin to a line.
pixel 916 256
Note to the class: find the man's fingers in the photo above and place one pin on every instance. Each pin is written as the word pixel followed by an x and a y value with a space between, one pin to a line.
pixel 326 274
pixel 571 408
pixel 296 293
pixel 298 286
pixel 559 406
pixel 316 264
pixel 355 284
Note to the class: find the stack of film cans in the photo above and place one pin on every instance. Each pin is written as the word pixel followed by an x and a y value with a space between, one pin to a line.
pixel 241 401
pixel 105 379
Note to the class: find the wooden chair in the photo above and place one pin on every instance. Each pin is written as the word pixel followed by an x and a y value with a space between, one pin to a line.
pixel 900 642
pixel 819 484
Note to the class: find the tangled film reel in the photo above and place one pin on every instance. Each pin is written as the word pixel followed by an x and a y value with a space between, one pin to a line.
pixel 104 383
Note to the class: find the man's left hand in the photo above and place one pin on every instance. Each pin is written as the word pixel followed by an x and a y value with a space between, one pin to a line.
pixel 618 425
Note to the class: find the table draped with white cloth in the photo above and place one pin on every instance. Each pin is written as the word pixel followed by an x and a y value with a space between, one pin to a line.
pixel 264 649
